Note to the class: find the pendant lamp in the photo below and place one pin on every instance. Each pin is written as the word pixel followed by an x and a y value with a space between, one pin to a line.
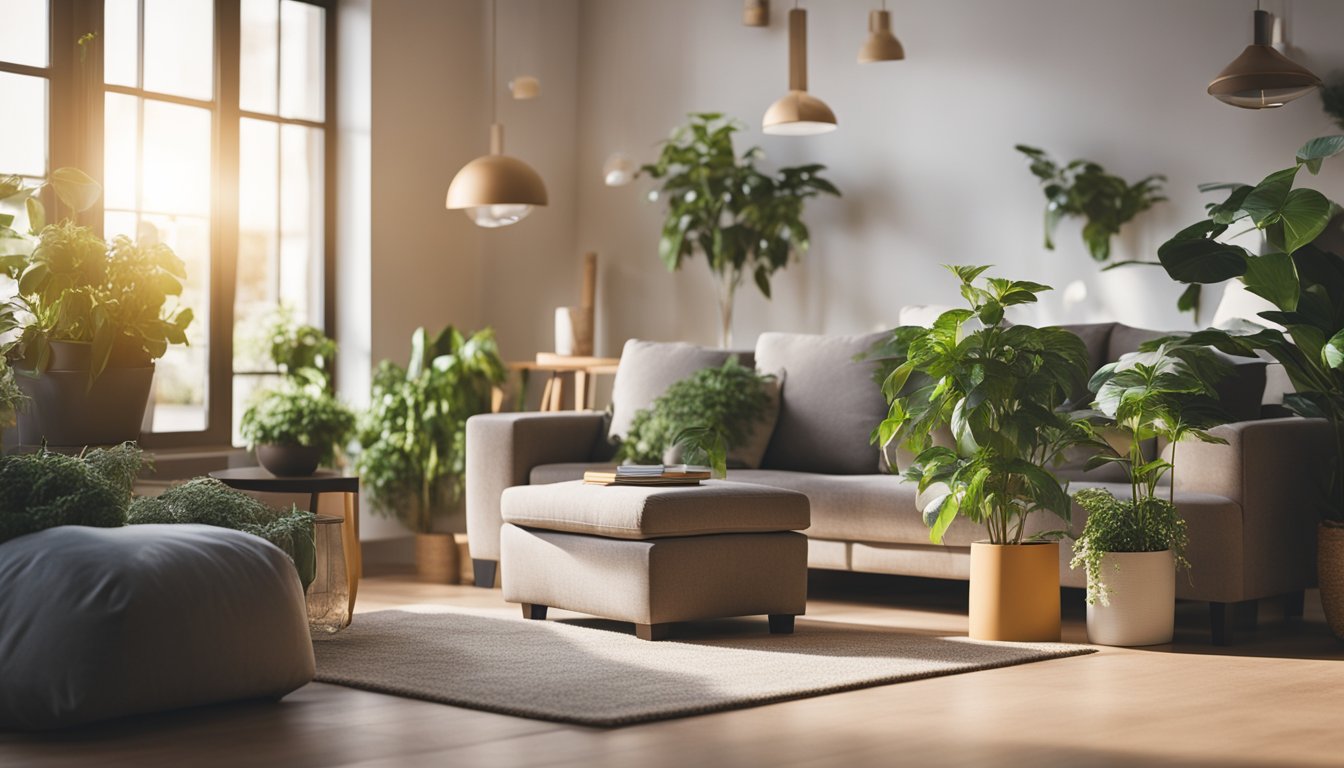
pixel 798 113
pixel 881 45
pixel 1261 77
pixel 496 190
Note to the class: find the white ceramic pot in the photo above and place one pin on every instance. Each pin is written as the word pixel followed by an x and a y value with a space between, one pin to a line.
pixel 1142 596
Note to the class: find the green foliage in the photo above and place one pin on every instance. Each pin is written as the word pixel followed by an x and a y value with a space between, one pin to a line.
pixel 1304 282
pixel 999 388
pixel 76 287
pixel 413 438
pixel 298 414
pixel 206 501
pixel 1149 525
pixel 301 352
pixel 1332 100
pixel 725 402
pixel 1167 394
pixel 706 446
pixel 744 221
pixel 1083 188
pixel 11 398
pixel 43 490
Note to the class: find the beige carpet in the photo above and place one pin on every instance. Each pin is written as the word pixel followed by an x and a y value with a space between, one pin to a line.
pixel 598 674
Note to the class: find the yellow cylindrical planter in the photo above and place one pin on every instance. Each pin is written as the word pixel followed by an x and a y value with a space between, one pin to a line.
pixel 1015 592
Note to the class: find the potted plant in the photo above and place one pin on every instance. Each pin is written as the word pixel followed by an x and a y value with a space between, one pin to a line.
pixel 1300 275
pixel 93 317
pixel 745 222
pixel 413 438
pixel 1083 188
pixel 295 428
pixel 299 425
pixel 1132 547
pixel 11 397
pixel 999 388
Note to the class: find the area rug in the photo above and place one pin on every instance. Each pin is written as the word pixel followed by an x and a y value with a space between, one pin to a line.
pixel 569 673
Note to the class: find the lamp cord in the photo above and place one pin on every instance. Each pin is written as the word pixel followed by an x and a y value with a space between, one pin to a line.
pixel 494 43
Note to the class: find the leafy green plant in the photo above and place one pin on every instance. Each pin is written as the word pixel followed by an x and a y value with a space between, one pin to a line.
pixel 1303 281
pixel 745 222
pixel 999 389
pixel 1332 100
pixel 207 501
pixel 712 411
pixel 300 351
pixel 1083 188
pixel 43 490
pixel 298 414
pixel 706 446
pixel 413 437
pixel 1166 394
pixel 72 188
pixel 11 397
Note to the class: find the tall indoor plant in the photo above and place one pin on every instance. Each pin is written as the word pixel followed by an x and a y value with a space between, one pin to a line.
pixel 93 316
pixel 744 221
pixel 413 438
pixel 1131 547
pixel 999 388
pixel 1301 273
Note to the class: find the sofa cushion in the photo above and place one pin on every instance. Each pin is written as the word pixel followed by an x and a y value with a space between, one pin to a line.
pixel 100 623
pixel 648 368
pixel 829 403
pixel 651 512
pixel 1096 337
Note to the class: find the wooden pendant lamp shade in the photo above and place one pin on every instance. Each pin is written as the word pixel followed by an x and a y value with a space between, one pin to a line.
pixel 798 113
pixel 881 45
pixel 1261 77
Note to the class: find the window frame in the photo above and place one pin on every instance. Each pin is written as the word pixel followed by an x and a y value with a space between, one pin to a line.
pixel 76 94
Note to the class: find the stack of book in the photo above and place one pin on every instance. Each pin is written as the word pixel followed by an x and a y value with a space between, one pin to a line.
pixel 648 474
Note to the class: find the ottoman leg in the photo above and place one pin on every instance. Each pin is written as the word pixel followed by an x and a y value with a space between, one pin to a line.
pixel 537 612
pixel 781 624
pixel 652 631
pixel 484 572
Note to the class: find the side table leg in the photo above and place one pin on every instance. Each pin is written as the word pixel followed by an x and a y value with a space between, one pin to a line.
pixel 580 390
pixel 354 561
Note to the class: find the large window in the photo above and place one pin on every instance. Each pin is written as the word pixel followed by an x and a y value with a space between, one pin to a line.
pixel 206 121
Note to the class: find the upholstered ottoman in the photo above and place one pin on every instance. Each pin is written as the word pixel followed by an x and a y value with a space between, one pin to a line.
pixel 655 555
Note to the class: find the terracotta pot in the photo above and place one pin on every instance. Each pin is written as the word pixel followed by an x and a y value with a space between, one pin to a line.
pixel 1142 599
pixel 1330 574
pixel 289 460
pixel 64 410
pixel 437 559
pixel 1015 592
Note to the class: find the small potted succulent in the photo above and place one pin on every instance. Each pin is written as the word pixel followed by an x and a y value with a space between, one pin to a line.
pixel 1000 389
pixel 1132 547
pixel 296 428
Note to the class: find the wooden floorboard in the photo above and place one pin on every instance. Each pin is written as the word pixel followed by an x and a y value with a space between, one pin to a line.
pixel 1272 700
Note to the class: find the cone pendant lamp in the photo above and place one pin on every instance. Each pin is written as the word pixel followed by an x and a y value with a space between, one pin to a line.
pixel 1261 77
pixel 496 190
pixel 798 113
pixel 881 45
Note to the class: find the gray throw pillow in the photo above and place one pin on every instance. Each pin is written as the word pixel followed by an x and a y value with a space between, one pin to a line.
pixel 829 403
pixel 648 368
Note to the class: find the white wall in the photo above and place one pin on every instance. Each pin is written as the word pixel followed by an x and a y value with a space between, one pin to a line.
pixel 924 152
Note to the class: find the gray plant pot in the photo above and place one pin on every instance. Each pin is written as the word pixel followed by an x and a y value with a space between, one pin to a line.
pixel 289 460
pixel 65 411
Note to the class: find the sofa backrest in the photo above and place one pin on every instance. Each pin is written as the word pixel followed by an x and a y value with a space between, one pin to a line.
pixel 829 402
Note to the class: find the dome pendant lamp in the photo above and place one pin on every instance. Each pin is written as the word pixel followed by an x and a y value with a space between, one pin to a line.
pixel 496 190
pixel 881 45
pixel 798 113
pixel 1261 77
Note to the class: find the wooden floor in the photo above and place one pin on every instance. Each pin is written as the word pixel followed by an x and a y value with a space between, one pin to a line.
pixel 1276 699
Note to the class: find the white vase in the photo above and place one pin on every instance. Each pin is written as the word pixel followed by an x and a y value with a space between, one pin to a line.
pixel 1142 594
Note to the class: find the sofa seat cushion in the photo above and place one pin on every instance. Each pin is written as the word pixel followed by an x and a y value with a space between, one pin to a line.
pixel 829 403
pixel 100 623
pixel 651 512
pixel 850 507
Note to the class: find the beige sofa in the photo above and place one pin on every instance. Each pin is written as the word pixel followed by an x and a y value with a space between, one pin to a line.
pixel 1248 504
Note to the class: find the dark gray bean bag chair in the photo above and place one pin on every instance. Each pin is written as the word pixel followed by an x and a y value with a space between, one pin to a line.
pixel 97 623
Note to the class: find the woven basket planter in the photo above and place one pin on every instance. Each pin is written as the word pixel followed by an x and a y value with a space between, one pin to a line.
pixel 1330 562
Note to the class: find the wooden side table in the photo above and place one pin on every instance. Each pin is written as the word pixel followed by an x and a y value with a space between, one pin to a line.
pixel 556 366
pixel 258 480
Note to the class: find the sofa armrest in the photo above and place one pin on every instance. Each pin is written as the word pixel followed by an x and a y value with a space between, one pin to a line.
pixel 1275 470
pixel 502 449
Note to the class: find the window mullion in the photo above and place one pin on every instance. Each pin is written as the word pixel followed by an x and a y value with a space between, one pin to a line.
pixel 228 16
